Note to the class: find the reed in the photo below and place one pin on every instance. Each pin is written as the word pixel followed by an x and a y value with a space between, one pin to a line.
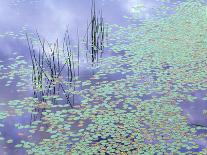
pixel 95 34
pixel 50 62
pixel 48 68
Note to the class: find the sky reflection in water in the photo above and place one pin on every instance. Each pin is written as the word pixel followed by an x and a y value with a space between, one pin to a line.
pixel 50 19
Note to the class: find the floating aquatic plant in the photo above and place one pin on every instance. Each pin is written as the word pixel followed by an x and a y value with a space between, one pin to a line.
pixel 139 113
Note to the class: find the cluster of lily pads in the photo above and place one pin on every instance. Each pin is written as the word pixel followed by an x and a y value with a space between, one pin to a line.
pixel 139 113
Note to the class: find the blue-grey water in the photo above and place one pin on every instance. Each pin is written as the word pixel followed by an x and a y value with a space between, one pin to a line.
pixel 50 19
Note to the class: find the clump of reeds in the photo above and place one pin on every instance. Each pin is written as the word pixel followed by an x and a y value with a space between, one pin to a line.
pixel 50 65
pixel 95 34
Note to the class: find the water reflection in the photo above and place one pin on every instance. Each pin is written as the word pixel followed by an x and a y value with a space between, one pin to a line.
pixel 50 19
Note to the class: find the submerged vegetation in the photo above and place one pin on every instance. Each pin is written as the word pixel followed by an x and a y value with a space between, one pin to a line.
pixel 140 112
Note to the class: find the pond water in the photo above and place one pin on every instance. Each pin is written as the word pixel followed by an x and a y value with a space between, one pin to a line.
pixel 103 77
